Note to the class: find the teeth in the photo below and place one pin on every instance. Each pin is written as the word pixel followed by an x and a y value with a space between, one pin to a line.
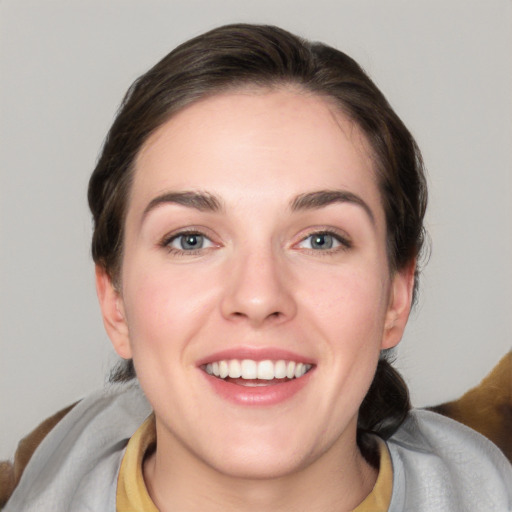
pixel 261 370
pixel 223 369
pixel 266 370
pixel 249 369
pixel 280 369
pixel 235 369
pixel 290 370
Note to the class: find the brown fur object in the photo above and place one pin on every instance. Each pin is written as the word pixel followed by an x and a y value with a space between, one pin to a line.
pixel 10 473
pixel 487 408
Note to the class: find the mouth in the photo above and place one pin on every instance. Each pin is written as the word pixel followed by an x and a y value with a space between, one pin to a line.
pixel 252 373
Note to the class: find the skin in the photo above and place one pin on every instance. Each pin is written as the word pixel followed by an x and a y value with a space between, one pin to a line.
pixel 258 282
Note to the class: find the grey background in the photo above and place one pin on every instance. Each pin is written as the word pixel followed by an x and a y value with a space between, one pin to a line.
pixel 444 65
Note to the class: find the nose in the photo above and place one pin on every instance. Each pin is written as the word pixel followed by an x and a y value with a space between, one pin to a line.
pixel 259 290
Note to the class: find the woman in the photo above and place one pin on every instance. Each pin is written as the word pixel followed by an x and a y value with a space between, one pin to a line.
pixel 258 211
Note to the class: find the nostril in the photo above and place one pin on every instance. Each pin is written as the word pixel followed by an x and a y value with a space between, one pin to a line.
pixel 276 315
pixel 257 302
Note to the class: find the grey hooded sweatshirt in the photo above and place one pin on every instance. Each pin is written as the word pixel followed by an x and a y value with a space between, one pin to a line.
pixel 439 465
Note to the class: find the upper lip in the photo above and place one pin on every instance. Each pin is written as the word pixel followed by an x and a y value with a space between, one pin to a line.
pixel 256 354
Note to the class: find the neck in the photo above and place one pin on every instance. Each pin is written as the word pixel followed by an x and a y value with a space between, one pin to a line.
pixel 338 480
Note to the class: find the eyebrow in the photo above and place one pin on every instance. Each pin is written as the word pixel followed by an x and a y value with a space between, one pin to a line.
pixel 206 202
pixel 321 198
pixel 202 201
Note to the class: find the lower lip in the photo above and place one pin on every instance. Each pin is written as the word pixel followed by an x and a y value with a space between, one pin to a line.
pixel 257 395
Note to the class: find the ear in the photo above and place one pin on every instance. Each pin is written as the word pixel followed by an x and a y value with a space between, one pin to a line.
pixel 399 307
pixel 112 310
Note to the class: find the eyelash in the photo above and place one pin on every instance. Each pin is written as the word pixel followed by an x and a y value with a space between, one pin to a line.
pixel 344 243
pixel 167 240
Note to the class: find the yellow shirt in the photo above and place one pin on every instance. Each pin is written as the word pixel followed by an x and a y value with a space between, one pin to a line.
pixel 133 496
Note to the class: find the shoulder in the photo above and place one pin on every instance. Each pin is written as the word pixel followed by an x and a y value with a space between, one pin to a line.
pixel 75 467
pixel 440 464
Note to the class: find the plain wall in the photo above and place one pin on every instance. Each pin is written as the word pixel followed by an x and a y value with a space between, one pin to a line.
pixel 444 65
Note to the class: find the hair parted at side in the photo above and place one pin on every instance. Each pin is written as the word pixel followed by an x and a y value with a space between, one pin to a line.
pixel 237 56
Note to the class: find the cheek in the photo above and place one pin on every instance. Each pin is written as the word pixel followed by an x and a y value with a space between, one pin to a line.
pixel 350 300
pixel 347 312
pixel 165 307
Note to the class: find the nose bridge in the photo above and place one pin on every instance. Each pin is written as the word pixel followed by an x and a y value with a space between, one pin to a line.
pixel 258 288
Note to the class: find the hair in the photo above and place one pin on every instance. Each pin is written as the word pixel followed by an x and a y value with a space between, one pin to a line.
pixel 238 56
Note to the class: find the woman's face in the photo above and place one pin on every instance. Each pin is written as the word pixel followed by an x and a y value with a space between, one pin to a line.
pixel 255 241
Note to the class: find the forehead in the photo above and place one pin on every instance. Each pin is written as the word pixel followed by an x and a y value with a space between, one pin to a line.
pixel 286 141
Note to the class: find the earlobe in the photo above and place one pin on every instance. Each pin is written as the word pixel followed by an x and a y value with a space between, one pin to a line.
pixel 399 306
pixel 112 310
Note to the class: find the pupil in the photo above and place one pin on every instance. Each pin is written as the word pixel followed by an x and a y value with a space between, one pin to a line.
pixel 322 242
pixel 191 241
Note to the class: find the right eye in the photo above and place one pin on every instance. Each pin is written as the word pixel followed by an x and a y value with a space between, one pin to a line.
pixel 188 242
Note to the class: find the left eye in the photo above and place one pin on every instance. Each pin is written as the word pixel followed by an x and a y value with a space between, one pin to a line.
pixel 320 242
pixel 190 242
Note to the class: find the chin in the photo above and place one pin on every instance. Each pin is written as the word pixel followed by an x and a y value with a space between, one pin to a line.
pixel 261 455
pixel 255 465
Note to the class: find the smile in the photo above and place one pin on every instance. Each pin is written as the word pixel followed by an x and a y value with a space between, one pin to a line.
pixel 260 377
pixel 251 370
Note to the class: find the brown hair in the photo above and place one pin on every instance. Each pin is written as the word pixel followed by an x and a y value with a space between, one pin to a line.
pixel 235 56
